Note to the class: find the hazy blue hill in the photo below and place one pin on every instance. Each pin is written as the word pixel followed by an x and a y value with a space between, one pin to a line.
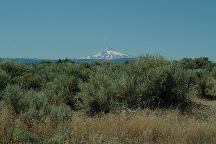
pixel 107 55
pixel 35 61
pixel 25 60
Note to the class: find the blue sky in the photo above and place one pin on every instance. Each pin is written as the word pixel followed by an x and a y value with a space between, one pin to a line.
pixel 76 28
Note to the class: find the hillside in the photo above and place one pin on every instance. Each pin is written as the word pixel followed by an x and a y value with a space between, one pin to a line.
pixel 146 100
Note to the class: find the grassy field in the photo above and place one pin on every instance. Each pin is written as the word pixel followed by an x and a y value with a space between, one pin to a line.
pixel 148 126
pixel 166 127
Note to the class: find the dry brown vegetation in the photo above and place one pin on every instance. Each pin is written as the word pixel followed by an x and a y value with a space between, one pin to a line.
pixel 147 126
pixel 166 127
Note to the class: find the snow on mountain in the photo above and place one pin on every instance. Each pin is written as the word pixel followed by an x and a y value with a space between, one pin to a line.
pixel 108 54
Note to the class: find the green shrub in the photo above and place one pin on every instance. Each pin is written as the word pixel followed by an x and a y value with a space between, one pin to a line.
pixel 63 90
pixel 155 84
pixel 12 95
pixel 32 81
pixel 99 105
pixel 213 73
pixel 4 79
pixel 14 69
pixel 146 62
pixel 2 103
pixel 33 105
pixel 97 94
pixel 55 92
pixel 125 91
pixel 61 112
pixel 163 87
pixel 81 71
pixel 203 83
pixel 26 136
pixel 197 63
pixel 149 81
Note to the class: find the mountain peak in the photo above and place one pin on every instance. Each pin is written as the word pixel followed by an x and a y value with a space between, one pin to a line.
pixel 109 49
pixel 108 54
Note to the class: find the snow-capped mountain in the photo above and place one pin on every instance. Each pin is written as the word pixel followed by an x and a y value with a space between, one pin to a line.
pixel 108 54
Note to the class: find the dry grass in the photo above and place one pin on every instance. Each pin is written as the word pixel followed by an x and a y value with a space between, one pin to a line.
pixel 143 127
pixel 6 125
pixel 149 127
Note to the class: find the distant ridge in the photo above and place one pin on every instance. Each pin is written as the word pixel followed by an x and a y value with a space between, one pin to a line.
pixel 36 61
pixel 109 54
pixel 26 60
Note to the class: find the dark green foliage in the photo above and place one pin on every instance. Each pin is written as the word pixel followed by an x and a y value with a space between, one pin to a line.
pixel 164 87
pixel 12 95
pixel 126 92
pixel 63 90
pixel 26 136
pixel 149 82
pixel 213 73
pixel 81 71
pixel 197 63
pixel 61 112
pixel 203 83
pixel 14 69
pixel 31 104
pixel 4 79
pixel 99 105
pixel 32 81
pixel 64 61
pixel 97 94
